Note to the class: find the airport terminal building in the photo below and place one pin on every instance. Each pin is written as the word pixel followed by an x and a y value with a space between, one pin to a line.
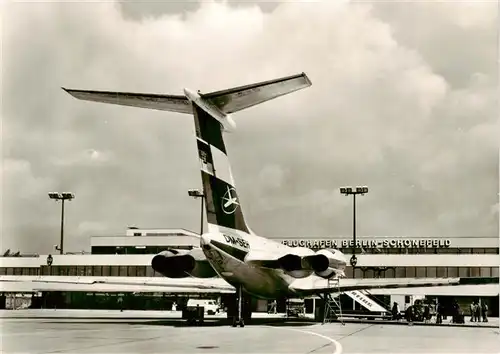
pixel 130 255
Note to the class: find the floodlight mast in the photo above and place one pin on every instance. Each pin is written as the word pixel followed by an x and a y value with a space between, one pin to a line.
pixel 353 191
pixel 195 193
pixel 62 197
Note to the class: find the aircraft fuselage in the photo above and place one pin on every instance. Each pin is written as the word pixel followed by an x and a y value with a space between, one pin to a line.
pixel 257 281
pixel 226 251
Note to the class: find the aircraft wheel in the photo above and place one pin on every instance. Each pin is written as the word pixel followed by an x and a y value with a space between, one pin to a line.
pixel 242 323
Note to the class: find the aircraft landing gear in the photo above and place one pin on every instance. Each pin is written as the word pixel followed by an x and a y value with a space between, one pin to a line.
pixel 238 319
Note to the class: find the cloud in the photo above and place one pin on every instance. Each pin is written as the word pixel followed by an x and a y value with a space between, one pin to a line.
pixel 457 39
pixel 407 109
pixel 88 157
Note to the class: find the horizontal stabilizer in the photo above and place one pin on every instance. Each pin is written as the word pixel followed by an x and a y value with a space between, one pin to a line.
pixel 238 98
pixel 171 103
pixel 227 101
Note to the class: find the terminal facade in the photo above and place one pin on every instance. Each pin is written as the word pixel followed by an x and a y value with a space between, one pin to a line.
pixel 130 255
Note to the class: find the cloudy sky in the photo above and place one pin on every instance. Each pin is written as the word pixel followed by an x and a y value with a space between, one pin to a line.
pixel 403 100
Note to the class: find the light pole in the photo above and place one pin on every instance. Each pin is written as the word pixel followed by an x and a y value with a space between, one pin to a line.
pixel 62 197
pixel 195 193
pixel 348 191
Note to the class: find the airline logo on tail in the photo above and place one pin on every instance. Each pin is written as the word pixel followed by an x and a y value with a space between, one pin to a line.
pixel 230 201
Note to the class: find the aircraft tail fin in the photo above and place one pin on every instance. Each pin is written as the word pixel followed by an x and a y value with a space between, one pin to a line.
pixel 222 202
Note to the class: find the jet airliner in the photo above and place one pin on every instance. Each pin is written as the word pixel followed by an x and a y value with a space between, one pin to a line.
pixel 252 264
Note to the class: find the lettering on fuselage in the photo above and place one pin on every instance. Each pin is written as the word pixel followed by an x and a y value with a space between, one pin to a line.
pixel 235 240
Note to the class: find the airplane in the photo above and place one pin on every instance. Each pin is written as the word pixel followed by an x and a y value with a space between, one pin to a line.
pixel 252 264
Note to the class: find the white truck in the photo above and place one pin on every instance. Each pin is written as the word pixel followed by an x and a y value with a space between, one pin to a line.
pixel 211 307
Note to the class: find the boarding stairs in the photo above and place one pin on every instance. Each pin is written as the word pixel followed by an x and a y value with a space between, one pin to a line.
pixel 333 307
pixel 383 304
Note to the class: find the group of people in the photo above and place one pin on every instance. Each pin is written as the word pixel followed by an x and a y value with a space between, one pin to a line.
pixel 422 312
pixel 416 312
pixel 476 310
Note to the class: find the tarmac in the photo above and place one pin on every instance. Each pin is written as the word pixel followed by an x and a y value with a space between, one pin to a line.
pixel 96 331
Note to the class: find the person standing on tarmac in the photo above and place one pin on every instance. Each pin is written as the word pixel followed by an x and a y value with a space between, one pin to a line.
pixel 472 311
pixel 439 316
pixel 395 311
pixel 409 314
pixel 427 313
pixel 456 312
pixel 120 303
pixel 485 311
pixel 478 312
